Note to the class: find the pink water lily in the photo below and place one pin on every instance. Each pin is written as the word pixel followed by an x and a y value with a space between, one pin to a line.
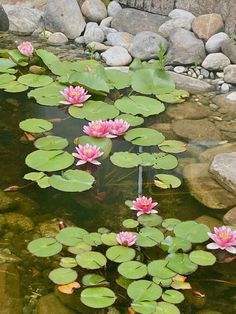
pixel 87 153
pixel 144 205
pixel 98 128
pixel 74 95
pixel 224 238
pixel 126 238
pixel 118 127
pixel 26 48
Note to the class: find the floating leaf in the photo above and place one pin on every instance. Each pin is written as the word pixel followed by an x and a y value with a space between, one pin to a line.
pixel 93 238
pixel 55 160
pixel 79 248
pixel 150 220
pixel 132 120
pixel 170 223
pixel 71 236
pixel 130 223
pixel 165 161
pixel 48 95
pixel 6 79
pixel 125 159
pixel 141 105
pixel 120 254
pixel 72 181
pixel 69 288
pixel 47 57
pixel 35 80
pixel 181 264
pixel 51 143
pixel 68 262
pixel 192 231
pixel 35 125
pixel 149 236
pixel 6 65
pixel 15 87
pixel 162 282
pixel 167 181
pixel 147 159
pixel 105 144
pixel 62 276
pixel 144 290
pixel 117 79
pixel 166 308
pixel 15 56
pixel 44 247
pixel 202 258
pixel 159 269
pixel 172 296
pixel 145 307
pixel 93 280
pixel 174 97
pixel 172 146
pixel 94 110
pixel 132 270
pixel 173 244
pixel 97 297
pixel 109 239
pixel 39 177
pixel 91 260
pixel 144 137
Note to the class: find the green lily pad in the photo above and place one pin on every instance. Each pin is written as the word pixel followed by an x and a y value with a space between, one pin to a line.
pixel 63 276
pixel 44 247
pixel 130 223
pixel 68 262
pixel 105 144
pixel 144 137
pixel 170 223
pixel 174 97
pixel 117 79
pixel 192 231
pixel 6 79
pixel 132 270
pixel 150 220
pixel 166 308
pixel 6 65
pixel 72 181
pixel 51 143
pixel 147 159
pixel 97 297
pixel 202 258
pixel 159 269
pixel 55 160
pixel 35 80
pixel 149 236
pixel 144 290
pixel 125 159
pixel 130 119
pixel 120 254
pixel 48 95
pixel 79 248
pixel 93 280
pixel 165 283
pixel 91 260
pixel 109 239
pixel 167 181
pixel 47 57
pixel 181 263
pixel 39 177
pixel 172 146
pixel 71 236
pixel 145 307
pixel 173 296
pixel 15 56
pixel 165 161
pixel 15 87
pixel 93 238
pixel 35 125
pixel 173 244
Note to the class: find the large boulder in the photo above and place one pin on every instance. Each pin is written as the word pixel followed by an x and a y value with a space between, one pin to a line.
pixel 179 13
pixel 4 22
pixel 94 10
pixel 188 110
pixel 230 74
pixel 64 16
pixel 215 42
pixel 204 26
pixel 229 49
pixel 215 61
pixel 120 39
pixel 162 7
pixel 166 28
pixel 185 48
pixel 134 21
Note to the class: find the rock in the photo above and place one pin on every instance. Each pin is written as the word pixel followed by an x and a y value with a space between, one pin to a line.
pixel 116 56
pixel 51 304
pixel 4 22
pixel 97 46
pixel 64 16
pixel 205 73
pixel 166 29
pixel 50 228
pixel 230 217
pixel 113 8
pixel 185 48
pixel 7 257
pixel 107 21
pixel 162 7
pixel 179 69
pixel 108 30
pixel 6 202
pixel 193 86
pixel 16 221
pixel 91 24
pixel 146 45
pixel 230 74
pixel 223 169
pixel 94 10
pixel 134 21
pixel 10 290
pixel 224 88
pixel 57 39
pixel 214 43
pixel 93 34
pixel 188 110
pixel 79 40
pixel 165 129
pixel 226 104
pixel 205 189
pixel 211 222
pixel 215 61
pixel 209 154
pixel 229 49
pixel 179 13
pixel 22 20
pixel 120 39
pixel 204 26
pixel 196 130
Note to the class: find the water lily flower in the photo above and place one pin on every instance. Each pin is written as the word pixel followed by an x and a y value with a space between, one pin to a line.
pixel 26 48
pixel 98 128
pixel 126 238
pixel 144 205
pixel 69 288
pixel 224 238
pixel 118 127
pixel 75 96
pixel 87 153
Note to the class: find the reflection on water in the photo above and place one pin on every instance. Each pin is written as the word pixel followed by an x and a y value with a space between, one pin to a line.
pixel 35 211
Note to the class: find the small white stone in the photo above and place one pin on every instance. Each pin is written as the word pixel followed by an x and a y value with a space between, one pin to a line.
pixel 224 88
pixel 107 21
pixel 113 8
pixel 220 74
pixel 57 39
pixel 116 56
pixel 179 69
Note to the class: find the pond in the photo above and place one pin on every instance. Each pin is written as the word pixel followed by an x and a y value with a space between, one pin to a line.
pixel 33 212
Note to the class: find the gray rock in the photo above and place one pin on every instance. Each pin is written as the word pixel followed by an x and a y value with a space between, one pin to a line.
pixel 230 74
pixel 214 43
pixel 188 110
pixel 215 61
pixel 179 13
pixel 179 69
pixel 116 56
pixel 185 48
pixel 166 28
pixel 204 26
pixel 64 16
pixel 97 46
pixel 113 8
pixel 223 169
pixel 57 39
pixel 146 45
pixel 23 21
pixel 226 104
pixel 91 24
pixel 107 21
pixel 6 202
pixel 193 86
pixel 209 154
pixel 134 21
pixel 79 40
pixel 205 73
pixel 229 49
pixel 162 7
pixel 4 22
pixel 93 34
pixel 120 39
pixel 51 304
pixel 94 10
pixel 230 217
pixel 108 30
pixel 224 88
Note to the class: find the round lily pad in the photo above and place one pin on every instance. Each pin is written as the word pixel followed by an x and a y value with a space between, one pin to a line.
pixel 173 244
pixel 93 238
pixel 166 308
pixel 120 254
pixel 109 239
pixel 71 236
pixel 149 236
pixel 181 263
pixel 167 181
pixel 126 159
pixel 202 258
pixel 68 262
pixel 51 143
pixel 144 290
pixel 63 276
pixel 144 137
pixel 173 296
pixel 35 125
pixel 118 79
pixel 79 248
pixel 172 146
pixel 174 97
pixel 47 95
pixel 93 280
pixel 192 231
pixel 165 161
pixel 35 80
pixel 15 87
pixel 150 220
pixel 132 270
pixel 97 297
pixel 132 120
pixel 159 269
pixel 144 307
pixel 130 223
pixel 44 247
pixel 147 159
pixel 91 260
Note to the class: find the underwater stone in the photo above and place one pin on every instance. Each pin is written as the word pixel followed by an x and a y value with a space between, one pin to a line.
pixel 211 222
pixel 6 202
pixel 188 110
pixel 16 221
pixel 209 154
pixel 230 217
pixel 51 304
pixel 94 10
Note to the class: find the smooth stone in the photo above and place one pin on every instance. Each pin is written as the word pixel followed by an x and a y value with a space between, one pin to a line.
pixel 185 48
pixel 226 104
pixel 230 74
pixel 162 7
pixel 229 49
pixel 15 220
pixel 113 8
pixel 204 26
pixel 205 189
pixel 106 22
pixel 224 88
pixel 211 222
pixel 166 28
pixel 64 16
pixel 57 39
pixel 51 304
pixel 79 40
pixel 146 45
pixel 120 39
pixel 223 169
pixel 188 110
pixel 97 46
pixel 205 73
pixel 230 217
pixel 6 202
pixel 4 21
pixel 134 21
pixel 108 30
pixel 165 129
pixel 116 56
pixel 94 10
pixel 179 13
pixel 93 34
pixel 214 43
pixel 215 61
pixel 209 154
pixel 179 69
pixel 91 24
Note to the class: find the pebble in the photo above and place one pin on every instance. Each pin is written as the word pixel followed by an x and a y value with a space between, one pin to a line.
pixel 220 74
pixel 224 88
pixel 212 76
pixel 213 106
pixel 200 77
pixel 194 75
pixel 205 73
pixel 179 69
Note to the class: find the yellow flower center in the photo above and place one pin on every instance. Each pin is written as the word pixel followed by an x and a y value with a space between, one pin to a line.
pixel 74 93
pixel 144 203
pixel 224 235
pixel 88 151
pixel 96 127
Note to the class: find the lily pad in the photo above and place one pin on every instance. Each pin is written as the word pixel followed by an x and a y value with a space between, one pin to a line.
pixel 47 57
pixel 97 297
pixel 93 238
pixel 35 80
pixel 130 223
pixel 174 97
pixel 120 254
pixel 170 223
pixel 132 270
pixel 172 146
pixel 48 95
pixel 109 239
pixel 93 280
pixel 91 260
pixel 173 244
pixel 79 248
pixel 6 79
pixel 166 308
pixel 144 290
pixel 147 159
pixel 150 220
pixel 125 159
pixel 44 247
pixel 132 120
pixel 145 307
pixel 105 144
pixel 15 87
pixel 144 137
pixel 159 269
pixel 63 276
pixel 51 143
pixel 39 177
pixel 165 161
pixel 149 236
pixel 71 236
pixel 68 262
pixel 173 296
pixel 6 65
pixel 117 79
pixel 35 125
pixel 167 181
pixel 202 258
pixel 181 263
pixel 192 231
